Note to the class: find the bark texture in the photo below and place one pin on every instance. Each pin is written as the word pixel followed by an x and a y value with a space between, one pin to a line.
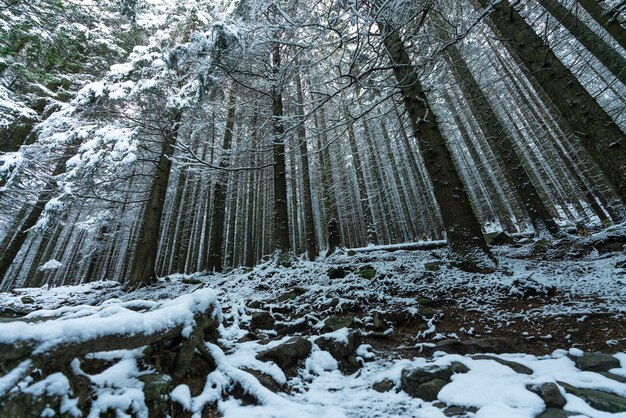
pixel 281 212
pixel 463 230
pixel 143 271
pixel 502 144
pixel 599 135
pixel 216 245
pixel 609 21
pixel 605 53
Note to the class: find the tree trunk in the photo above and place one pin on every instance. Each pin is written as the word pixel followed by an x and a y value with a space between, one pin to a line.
pixel 606 54
pixel 216 248
pixel 465 237
pixel 364 200
pixel 577 156
pixel 502 145
pixel 13 248
pixel 494 192
pixel 599 134
pixel 393 160
pixel 309 220
pixel 143 271
pixel 329 198
pixel 610 23
pixel 281 213
pixel 334 237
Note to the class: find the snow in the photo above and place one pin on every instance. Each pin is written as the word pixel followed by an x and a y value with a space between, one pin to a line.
pixel 9 380
pixel 110 319
pixel 320 388
pixel 341 335
pixel 319 362
pixel 488 383
pixel 50 265
pixel 55 384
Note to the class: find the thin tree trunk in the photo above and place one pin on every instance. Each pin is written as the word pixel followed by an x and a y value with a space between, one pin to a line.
pixel 364 198
pixel 392 158
pixel 11 251
pixel 490 184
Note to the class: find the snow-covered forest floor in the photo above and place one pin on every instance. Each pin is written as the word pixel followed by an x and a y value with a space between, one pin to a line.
pixel 358 334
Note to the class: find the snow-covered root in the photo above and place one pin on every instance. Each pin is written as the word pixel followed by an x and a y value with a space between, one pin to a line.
pixel 48 354
pixel 224 380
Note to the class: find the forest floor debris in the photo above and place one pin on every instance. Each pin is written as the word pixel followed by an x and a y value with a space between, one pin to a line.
pixel 358 334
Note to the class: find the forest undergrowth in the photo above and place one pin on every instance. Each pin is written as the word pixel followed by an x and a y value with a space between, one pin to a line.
pixel 365 332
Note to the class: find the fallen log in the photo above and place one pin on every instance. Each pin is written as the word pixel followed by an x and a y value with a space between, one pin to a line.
pixel 109 328
pixel 52 345
pixel 420 246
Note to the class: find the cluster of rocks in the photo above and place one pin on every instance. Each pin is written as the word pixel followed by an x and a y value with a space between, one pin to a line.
pixel 426 383
pixel 269 322
pixel 365 272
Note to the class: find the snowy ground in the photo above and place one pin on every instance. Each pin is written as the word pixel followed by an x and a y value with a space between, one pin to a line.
pixel 547 304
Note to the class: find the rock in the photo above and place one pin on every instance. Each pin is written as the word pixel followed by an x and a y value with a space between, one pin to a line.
pixel 428 391
pixel 526 287
pixel 426 383
pixel 262 320
pixel 337 348
pixel 436 303
pixel 336 273
pixel 596 362
pixel 287 354
pixel 351 253
pixel 95 366
pixel 489 236
pixel 554 413
pixel 27 300
pixel 191 280
pixel 8 313
pixel 433 266
pixel 350 364
pixel 342 350
pixel 265 380
pixel 518 368
pixel 292 294
pixel 501 238
pixel 602 401
pixel 251 336
pixel 255 304
pixel 612 247
pixel 458 368
pixel 541 245
pixel 550 394
pixel 428 313
pixel 366 272
pixel 383 386
pixel 289 328
pixel 337 322
pixel 455 411
pixel 155 385
pixel 612 376
pixel 620 264
pixel 494 345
